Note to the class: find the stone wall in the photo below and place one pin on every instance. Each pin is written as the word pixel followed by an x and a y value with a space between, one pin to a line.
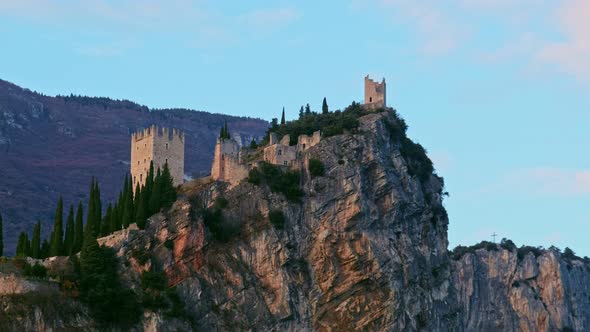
pixel 159 145
pixel 375 94
pixel 227 165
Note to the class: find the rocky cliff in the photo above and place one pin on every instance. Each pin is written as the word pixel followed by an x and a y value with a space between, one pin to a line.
pixel 364 248
pixel 505 289
pixel 52 146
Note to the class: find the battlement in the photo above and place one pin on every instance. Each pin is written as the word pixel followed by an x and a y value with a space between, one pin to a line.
pixel 152 131
pixel 375 93
pixel 160 146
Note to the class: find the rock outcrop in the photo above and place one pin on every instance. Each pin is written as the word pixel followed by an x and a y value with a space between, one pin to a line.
pixel 364 248
pixel 540 290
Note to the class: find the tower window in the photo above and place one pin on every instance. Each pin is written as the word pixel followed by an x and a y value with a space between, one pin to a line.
pixel 166 146
pixel 166 160
pixel 140 177
pixel 370 99
pixel 285 163
pixel 280 152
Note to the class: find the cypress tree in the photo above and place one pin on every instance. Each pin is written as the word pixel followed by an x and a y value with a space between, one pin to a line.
pixel 107 221
pixel 27 246
pixel 301 114
pixel 20 245
pixel 146 192
pixel 167 189
pixel 156 196
pixel 45 249
pixel 1 238
pixel 36 241
pixel 78 230
pixel 283 117
pixel 253 144
pixel 307 110
pixel 226 130
pixel 69 237
pixel 140 214
pixel 97 210
pixel 57 234
pixel 91 211
pixel 325 106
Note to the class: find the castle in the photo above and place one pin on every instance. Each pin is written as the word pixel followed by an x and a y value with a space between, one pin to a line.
pixel 374 94
pixel 161 146
pixel 231 162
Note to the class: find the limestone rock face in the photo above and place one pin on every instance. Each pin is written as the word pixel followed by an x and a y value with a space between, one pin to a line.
pixel 500 292
pixel 365 248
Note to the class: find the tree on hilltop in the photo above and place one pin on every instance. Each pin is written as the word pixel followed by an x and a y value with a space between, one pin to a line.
pixel 36 241
pixel 69 236
pixel 283 117
pixel 78 230
pixel 325 107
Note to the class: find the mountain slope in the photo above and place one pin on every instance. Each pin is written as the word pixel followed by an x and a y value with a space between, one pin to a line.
pixel 51 146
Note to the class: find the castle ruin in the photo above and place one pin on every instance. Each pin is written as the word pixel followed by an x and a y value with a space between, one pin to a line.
pixel 374 94
pixel 161 146
pixel 230 164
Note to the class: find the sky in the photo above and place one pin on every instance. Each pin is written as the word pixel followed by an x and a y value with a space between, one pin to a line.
pixel 497 91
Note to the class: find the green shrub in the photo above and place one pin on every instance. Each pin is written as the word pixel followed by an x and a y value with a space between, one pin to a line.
pixel 222 229
pixel 330 124
pixel 460 251
pixel 37 271
pixel 277 218
pixel 285 182
pixel 141 256
pixel 507 244
pixel 524 250
pixel 316 168
pixel 153 280
pixel 169 244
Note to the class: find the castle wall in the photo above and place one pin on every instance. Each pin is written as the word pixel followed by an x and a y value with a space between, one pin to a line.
pixel 280 154
pixel 305 142
pixel 375 93
pixel 160 146
pixel 226 164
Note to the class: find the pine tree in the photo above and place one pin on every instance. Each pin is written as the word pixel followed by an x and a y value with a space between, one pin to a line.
pixel 325 107
pixel 167 189
pixel 307 110
pixel 1 238
pixel 301 114
pixel 36 241
pixel 78 230
pixel 283 117
pixel 69 236
pixel 57 234
pixel 156 196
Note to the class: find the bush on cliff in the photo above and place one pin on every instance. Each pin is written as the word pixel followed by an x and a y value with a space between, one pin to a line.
pixel 285 182
pixel 101 289
pixel 277 218
pixel 316 168
pixel 222 229
pixel 330 123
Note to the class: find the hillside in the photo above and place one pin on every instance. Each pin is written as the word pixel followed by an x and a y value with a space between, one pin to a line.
pixel 359 245
pixel 51 146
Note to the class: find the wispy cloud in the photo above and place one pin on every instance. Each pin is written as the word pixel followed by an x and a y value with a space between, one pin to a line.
pixel 572 54
pixel 544 181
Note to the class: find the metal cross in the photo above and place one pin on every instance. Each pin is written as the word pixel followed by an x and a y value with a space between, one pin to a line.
pixel 494 236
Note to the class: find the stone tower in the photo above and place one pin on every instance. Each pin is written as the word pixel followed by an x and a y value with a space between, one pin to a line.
pixel 374 94
pixel 227 165
pixel 161 146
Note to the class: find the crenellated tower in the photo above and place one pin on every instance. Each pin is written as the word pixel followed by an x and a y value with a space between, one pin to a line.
pixel 160 145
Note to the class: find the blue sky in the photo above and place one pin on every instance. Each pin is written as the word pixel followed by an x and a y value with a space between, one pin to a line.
pixel 496 90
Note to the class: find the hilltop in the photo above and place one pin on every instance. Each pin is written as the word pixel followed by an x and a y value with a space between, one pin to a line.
pixel 51 146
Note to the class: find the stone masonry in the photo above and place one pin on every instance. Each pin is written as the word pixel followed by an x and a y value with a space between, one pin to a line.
pixel 375 94
pixel 161 146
